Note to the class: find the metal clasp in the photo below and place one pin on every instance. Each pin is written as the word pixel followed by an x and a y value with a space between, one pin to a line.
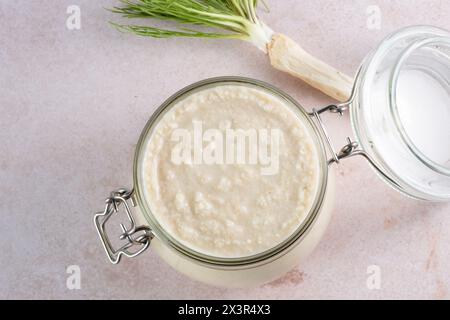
pixel 352 147
pixel 138 238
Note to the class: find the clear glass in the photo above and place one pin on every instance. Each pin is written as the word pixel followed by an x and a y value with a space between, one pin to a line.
pixel 166 240
pixel 401 111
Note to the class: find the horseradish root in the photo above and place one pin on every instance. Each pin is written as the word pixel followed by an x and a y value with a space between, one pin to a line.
pixel 286 55
pixel 235 19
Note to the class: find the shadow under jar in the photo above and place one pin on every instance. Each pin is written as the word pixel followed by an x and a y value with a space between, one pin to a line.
pixel 234 225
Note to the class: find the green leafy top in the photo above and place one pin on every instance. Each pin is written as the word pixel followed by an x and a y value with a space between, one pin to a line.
pixel 233 19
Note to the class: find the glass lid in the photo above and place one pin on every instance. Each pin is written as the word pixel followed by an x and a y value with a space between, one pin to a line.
pixel 401 111
pixel 420 101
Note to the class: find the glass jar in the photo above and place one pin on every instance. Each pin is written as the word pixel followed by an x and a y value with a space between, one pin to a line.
pixel 388 125
pixel 229 272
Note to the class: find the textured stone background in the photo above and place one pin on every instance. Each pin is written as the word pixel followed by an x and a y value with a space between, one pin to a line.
pixel 73 103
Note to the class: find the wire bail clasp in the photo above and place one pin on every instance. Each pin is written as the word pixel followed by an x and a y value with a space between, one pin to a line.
pixel 137 238
pixel 351 146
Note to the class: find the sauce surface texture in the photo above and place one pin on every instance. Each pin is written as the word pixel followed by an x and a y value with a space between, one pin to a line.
pixel 230 171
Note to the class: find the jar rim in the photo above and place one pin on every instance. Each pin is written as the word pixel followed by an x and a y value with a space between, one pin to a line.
pixel 393 83
pixel 218 262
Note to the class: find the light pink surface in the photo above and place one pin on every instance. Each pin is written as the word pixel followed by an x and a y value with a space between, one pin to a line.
pixel 73 103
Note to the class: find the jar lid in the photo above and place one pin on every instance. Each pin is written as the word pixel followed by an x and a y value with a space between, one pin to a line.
pixel 401 111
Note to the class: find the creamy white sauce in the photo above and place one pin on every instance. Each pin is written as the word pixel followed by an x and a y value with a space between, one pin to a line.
pixel 224 209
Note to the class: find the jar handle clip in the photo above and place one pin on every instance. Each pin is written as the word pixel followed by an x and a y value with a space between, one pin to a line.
pixel 137 238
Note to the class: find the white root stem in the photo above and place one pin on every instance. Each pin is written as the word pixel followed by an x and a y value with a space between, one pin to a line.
pixel 286 55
